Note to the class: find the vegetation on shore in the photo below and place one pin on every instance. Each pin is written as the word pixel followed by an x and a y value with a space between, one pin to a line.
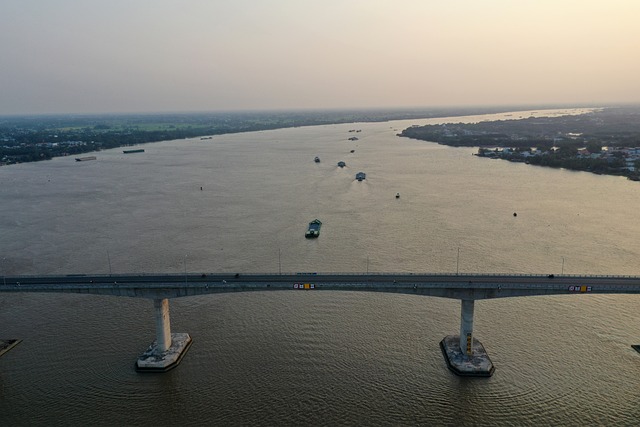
pixel 34 138
pixel 605 141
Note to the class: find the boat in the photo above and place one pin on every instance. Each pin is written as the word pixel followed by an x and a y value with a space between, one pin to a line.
pixel 397 195
pixel 84 159
pixel 361 176
pixel 342 164
pixel 314 229
pixel 317 159
pixel 139 150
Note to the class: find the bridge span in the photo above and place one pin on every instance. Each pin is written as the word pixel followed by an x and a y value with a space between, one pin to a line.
pixel 465 355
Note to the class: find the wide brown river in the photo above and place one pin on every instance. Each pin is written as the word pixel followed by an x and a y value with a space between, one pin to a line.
pixel 241 203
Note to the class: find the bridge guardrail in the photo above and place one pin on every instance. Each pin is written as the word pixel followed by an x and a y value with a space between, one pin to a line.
pixel 301 275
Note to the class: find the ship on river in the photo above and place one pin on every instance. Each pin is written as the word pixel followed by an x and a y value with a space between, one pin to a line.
pixel 314 229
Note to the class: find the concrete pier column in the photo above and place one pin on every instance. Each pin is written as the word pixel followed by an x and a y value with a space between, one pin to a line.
pixel 465 355
pixel 163 325
pixel 168 349
pixel 466 327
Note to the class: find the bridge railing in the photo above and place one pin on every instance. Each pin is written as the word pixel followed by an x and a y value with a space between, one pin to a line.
pixel 205 275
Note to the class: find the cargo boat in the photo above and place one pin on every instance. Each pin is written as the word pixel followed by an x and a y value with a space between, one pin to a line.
pixel 314 229
pixel 139 150
pixel 84 159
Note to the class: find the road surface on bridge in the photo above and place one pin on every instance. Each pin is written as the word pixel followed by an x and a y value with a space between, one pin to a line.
pixel 473 286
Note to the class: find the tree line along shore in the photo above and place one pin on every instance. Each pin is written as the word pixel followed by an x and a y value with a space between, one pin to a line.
pixel 36 138
pixel 603 141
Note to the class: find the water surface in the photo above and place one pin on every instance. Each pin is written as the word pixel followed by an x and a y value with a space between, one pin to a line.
pixel 303 358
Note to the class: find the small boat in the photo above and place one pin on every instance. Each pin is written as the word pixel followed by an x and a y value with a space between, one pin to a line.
pixel 314 229
pixel 342 164
pixel 317 159
pixel 139 150
pixel 84 159
pixel 397 195
pixel 361 176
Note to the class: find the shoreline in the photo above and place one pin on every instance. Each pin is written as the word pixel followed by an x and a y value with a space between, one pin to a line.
pixel 113 131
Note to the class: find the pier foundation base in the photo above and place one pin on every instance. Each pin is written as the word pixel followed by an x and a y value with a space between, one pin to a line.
pixel 477 364
pixel 155 360
pixel 6 345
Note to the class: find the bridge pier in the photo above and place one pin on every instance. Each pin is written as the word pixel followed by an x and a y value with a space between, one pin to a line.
pixel 465 355
pixel 466 326
pixel 168 349
pixel 163 324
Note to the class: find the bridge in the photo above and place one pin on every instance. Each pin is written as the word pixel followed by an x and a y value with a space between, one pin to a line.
pixel 464 354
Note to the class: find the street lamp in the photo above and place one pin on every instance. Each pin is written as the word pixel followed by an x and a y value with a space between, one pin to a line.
pixel 109 259
pixel 562 265
pixel 185 269
pixel 458 263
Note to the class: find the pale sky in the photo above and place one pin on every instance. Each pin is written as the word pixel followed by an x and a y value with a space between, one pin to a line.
pixel 94 56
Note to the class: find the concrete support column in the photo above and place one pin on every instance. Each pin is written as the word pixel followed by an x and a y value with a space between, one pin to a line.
pixel 163 324
pixel 465 355
pixel 466 327
pixel 168 349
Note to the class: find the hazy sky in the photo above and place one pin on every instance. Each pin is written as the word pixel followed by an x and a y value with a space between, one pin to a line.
pixel 86 56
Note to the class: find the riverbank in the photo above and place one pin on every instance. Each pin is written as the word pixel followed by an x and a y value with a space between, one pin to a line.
pixel 37 138
pixel 602 141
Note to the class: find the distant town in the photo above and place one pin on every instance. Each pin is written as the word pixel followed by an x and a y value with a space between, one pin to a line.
pixel 605 141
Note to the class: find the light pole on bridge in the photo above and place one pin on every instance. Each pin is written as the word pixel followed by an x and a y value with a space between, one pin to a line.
pixel 562 266
pixel 185 269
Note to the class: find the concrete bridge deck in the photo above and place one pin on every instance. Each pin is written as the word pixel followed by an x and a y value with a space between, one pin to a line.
pixel 463 286
pixel 464 354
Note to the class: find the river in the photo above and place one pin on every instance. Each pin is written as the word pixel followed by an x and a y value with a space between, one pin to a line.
pixel 241 203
